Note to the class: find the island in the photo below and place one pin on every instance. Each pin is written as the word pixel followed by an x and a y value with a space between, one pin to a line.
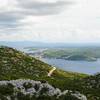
pixel 79 58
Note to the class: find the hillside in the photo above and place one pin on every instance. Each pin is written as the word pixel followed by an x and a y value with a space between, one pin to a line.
pixel 17 65
pixel 74 54
pixel 79 58
pixel 35 90
pixel 90 86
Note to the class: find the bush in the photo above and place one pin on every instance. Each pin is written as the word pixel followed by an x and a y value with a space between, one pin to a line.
pixel 27 85
pixel 36 87
pixel 6 89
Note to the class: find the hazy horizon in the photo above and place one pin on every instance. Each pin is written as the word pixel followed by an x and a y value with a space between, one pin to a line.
pixel 22 44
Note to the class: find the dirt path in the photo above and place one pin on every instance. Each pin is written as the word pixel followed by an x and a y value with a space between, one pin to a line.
pixel 51 71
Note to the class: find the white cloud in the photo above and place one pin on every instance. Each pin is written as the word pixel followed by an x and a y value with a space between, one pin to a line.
pixel 79 22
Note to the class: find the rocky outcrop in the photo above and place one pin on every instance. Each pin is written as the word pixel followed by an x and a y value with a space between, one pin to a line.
pixel 16 89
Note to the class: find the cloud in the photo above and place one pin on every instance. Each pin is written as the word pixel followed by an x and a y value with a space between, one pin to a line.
pixel 50 20
pixel 79 37
pixel 11 13
pixel 9 19
pixel 42 8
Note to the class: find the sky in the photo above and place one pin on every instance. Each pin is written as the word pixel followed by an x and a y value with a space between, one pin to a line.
pixel 61 21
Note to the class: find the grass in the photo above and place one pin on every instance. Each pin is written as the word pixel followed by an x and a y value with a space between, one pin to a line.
pixel 17 65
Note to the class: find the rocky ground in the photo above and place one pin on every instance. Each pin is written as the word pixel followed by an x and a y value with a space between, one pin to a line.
pixel 35 90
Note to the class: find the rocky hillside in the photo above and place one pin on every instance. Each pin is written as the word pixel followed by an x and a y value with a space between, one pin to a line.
pixel 35 90
pixel 91 86
pixel 15 65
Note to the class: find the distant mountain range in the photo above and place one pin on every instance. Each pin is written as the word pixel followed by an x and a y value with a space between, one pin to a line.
pixel 19 44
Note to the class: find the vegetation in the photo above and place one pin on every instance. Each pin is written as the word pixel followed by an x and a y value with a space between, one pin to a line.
pixel 87 54
pixel 80 58
pixel 17 91
pixel 90 86
pixel 17 65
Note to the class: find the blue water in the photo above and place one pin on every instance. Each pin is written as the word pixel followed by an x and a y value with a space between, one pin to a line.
pixel 75 66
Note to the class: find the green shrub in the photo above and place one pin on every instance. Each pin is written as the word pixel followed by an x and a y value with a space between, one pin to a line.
pixel 27 85
pixel 6 89
pixel 36 87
